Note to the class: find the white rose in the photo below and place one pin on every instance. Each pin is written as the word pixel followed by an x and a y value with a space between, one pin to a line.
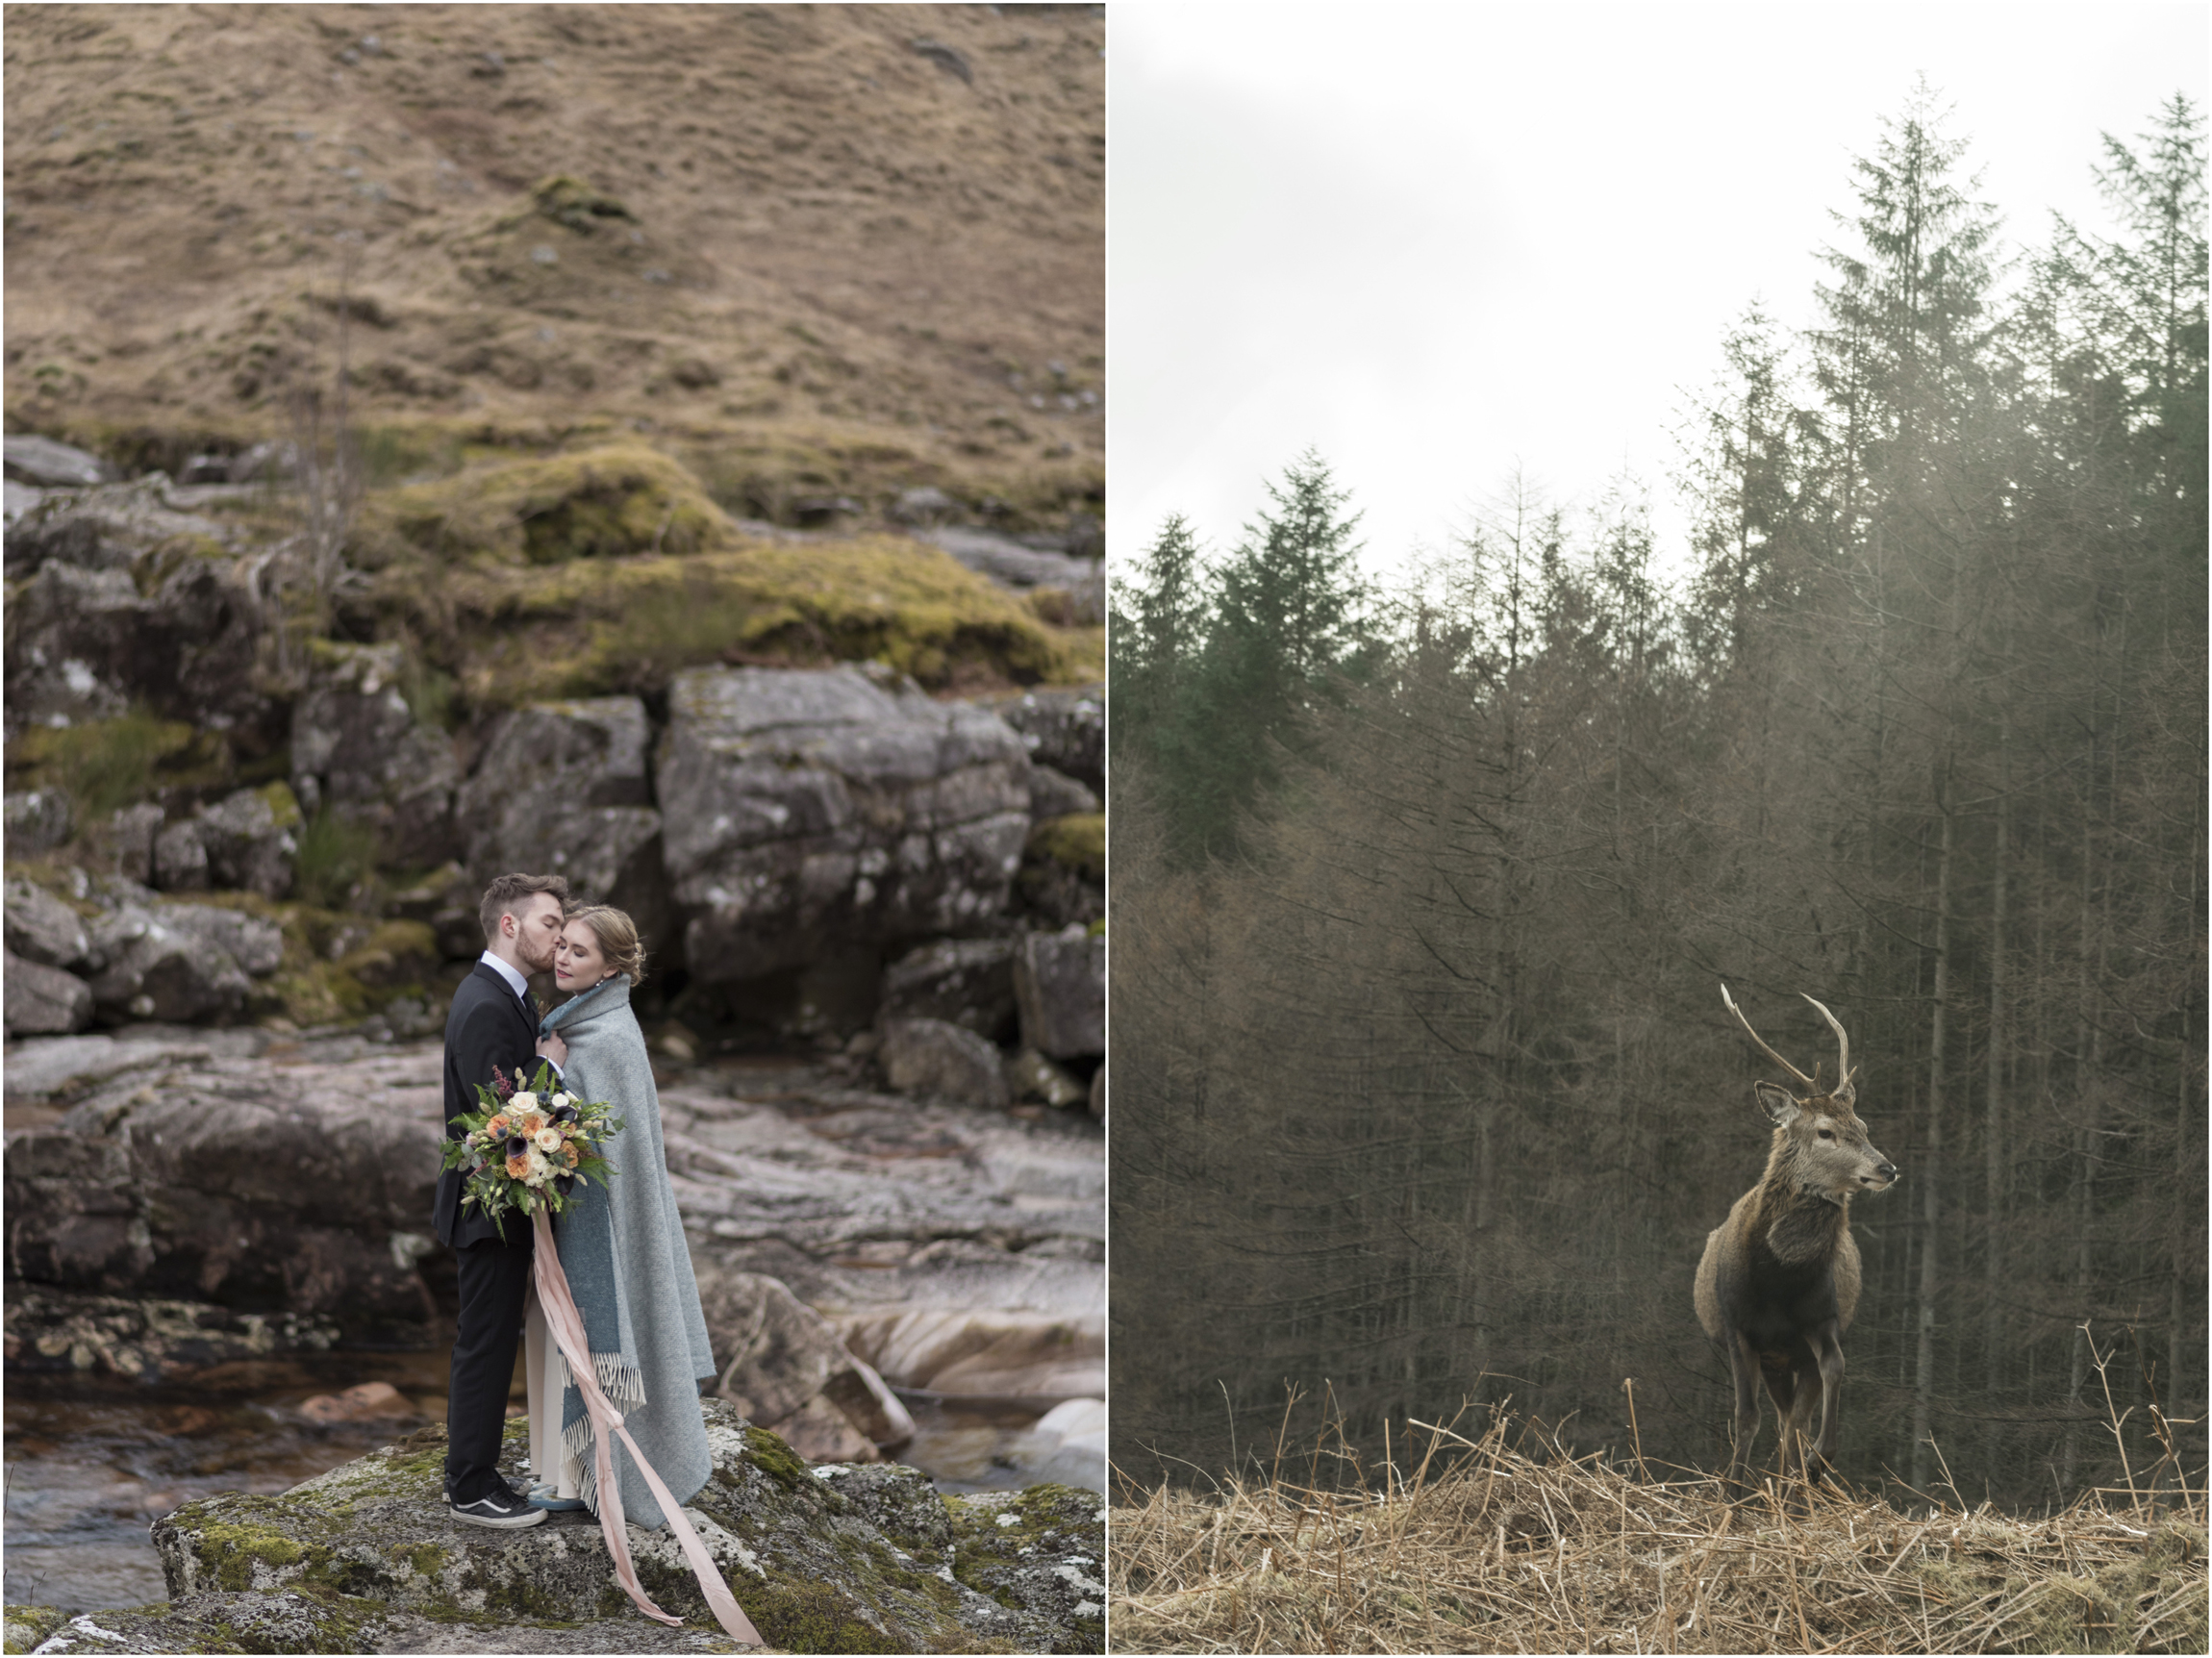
pixel 538 1167
pixel 561 1099
pixel 525 1102
pixel 548 1138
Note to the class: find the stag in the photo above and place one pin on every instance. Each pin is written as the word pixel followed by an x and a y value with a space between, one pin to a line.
pixel 1779 1279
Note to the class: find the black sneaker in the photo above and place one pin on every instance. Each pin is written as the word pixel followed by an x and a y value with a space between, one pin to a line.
pixel 499 1507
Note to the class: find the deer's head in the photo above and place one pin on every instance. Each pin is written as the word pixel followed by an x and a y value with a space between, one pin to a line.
pixel 1825 1143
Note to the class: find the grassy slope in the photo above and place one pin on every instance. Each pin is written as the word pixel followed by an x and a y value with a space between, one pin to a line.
pixel 846 268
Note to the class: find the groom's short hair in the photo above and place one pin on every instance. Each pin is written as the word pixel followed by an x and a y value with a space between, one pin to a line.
pixel 509 893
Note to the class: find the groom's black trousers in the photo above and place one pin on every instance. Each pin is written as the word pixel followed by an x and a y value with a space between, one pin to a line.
pixel 494 1283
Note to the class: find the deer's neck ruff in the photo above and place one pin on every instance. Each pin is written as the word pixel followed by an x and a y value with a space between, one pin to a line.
pixel 1798 1226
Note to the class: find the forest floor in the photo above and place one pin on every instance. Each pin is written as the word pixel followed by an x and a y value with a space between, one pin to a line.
pixel 843 249
pixel 1504 1543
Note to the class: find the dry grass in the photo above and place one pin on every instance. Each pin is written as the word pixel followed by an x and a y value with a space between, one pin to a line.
pixel 844 271
pixel 1504 1543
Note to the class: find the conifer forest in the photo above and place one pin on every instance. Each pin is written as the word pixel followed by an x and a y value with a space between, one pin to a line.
pixel 1426 890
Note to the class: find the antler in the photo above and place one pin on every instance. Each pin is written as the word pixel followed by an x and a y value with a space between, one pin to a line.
pixel 1762 1040
pixel 1842 1045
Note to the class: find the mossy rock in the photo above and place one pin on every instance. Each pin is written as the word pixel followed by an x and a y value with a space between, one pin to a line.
pixel 105 763
pixel 613 627
pixel 376 962
pixel 313 1619
pixel 27 1626
pixel 612 502
pixel 1076 842
pixel 809 1569
pixel 1041 1550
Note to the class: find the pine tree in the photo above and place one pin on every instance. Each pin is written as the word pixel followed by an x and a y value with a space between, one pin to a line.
pixel 1158 628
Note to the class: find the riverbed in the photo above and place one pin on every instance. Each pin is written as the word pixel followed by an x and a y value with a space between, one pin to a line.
pixel 898 1219
pixel 92 1462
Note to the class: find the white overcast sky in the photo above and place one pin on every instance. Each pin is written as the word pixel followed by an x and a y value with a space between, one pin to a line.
pixel 1436 241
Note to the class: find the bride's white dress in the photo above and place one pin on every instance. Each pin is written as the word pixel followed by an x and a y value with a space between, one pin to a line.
pixel 551 1462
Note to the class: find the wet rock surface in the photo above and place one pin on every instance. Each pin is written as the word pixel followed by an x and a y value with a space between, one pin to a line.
pixel 256 1194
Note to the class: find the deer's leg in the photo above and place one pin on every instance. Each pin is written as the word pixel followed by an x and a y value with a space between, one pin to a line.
pixel 1743 1367
pixel 1784 1385
pixel 1808 1388
pixel 1828 1346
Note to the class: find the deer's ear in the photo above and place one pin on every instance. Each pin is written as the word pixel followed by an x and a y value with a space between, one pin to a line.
pixel 1778 1103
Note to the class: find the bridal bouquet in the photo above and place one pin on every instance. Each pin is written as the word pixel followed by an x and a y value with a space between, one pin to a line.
pixel 530 1145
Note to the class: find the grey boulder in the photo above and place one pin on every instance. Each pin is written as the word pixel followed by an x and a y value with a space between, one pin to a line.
pixel 31 459
pixel 562 789
pixel 179 961
pixel 104 527
pixel 777 1356
pixel 181 859
pixel 44 1000
pixel 1030 1075
pixel 1060 983
pixel 38 820
pixel 358 750
pixel 1065 728
pixel 806 810
pixel 85 644
pixel 931 1057
pixel 251 839
pixel 1053 794
pixel 966 982
pixel 132 832
pixel 226 1183
pixel 42 928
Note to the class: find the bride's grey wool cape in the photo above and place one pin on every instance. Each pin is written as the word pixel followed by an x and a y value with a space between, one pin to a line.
pixel 622 1244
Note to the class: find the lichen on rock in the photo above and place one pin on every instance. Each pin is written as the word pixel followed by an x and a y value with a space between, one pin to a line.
pixel 1043 1550
pixel 822 1559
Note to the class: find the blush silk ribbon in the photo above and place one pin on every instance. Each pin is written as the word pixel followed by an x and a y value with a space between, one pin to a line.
pixel 567 1327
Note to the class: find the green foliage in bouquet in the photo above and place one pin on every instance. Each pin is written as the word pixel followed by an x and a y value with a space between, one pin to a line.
pixel 530 1147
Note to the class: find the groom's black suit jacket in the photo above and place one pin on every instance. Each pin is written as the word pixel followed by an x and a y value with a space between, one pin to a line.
pixel 488 1026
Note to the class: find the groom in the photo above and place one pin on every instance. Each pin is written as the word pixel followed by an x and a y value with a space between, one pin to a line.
pixel 491 1024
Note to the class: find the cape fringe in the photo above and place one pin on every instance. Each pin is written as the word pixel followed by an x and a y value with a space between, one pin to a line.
pixel 625 1389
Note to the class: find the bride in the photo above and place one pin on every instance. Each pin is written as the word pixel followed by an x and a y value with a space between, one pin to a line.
pixel 622 1247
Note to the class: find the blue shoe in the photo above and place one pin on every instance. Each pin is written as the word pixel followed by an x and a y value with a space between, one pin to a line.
pixel 541 1498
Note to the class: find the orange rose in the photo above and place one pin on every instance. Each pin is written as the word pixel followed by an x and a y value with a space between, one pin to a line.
pixel 518 1167
pixel 498 1125
pixel 570 1152
pixel 532 1124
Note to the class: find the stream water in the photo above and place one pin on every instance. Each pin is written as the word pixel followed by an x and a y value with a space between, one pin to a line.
pixel 92 1462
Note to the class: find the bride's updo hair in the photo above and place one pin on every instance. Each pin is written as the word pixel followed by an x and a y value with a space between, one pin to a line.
pixel 618 937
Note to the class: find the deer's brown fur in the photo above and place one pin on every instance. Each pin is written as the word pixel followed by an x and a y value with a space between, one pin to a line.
pixel 1779 1280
